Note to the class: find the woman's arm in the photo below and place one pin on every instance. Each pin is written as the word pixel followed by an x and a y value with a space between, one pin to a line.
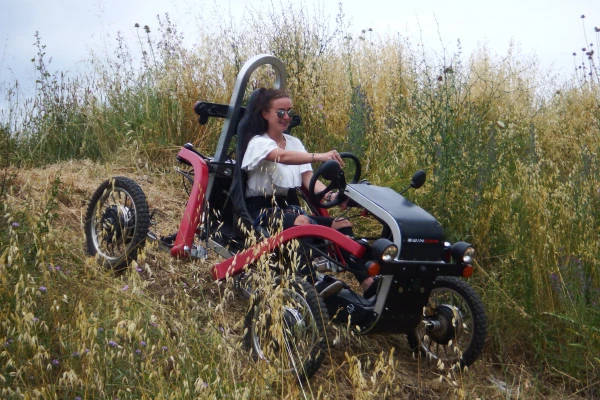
pixel 293 157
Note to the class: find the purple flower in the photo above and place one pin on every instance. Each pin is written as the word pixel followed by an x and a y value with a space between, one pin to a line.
pixel 124 288
pixel 15 225
pixel 138 269
pixel 112 343
pixel 75 354
pixel 55 362
pixel 142 343
pixel 43 289
pixel 35 319
pixel 101 329
pixel 138 352
pixel 165 348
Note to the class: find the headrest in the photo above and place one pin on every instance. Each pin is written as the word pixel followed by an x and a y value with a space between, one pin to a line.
pixel 242 127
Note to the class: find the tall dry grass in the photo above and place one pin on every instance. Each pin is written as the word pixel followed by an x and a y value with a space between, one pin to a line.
pixel 511 156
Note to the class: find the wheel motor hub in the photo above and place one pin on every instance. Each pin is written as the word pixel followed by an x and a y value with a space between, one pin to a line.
pixel 293 320
pixel 445 324
pixel 116 220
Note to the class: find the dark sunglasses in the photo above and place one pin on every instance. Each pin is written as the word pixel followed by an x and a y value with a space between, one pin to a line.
pixel 281 112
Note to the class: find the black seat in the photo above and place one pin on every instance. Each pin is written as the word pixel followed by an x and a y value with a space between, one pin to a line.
pixel 237 192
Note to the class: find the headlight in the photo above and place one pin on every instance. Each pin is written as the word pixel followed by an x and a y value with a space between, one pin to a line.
pixel 463 252
pixel 384 250
pixel 469 255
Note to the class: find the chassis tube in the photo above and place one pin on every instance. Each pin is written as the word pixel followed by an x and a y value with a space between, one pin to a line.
pixel 234 265
pixel 193 210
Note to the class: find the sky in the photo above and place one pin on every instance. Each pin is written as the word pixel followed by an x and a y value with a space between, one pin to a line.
pixel 550 30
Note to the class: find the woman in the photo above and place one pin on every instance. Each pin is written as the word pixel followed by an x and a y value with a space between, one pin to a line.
pixel 277 163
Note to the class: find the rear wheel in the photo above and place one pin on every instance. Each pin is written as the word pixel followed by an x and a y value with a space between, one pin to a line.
pixel 116 222
pixel 286 329
pixel 454 325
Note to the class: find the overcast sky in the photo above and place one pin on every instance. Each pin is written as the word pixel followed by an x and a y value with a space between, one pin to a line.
pixel 549 29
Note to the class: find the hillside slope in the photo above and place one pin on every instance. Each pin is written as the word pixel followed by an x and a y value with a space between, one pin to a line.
pixel 164 328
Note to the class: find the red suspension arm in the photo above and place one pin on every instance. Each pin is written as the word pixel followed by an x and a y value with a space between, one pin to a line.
pixel 234 265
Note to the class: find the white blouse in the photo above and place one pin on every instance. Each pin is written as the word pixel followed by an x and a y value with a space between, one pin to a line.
pixel 266 178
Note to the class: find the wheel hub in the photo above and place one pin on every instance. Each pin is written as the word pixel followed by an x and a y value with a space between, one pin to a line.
pixel 293 320
pixel 445 325
pixel 116 221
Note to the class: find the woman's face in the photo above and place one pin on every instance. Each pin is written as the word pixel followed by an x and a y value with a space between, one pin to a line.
pixel 280 122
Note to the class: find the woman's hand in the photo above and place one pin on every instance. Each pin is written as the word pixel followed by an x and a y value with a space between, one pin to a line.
pixel 330 155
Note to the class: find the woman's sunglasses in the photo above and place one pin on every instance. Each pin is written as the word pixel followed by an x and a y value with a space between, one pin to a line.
pixel 281 112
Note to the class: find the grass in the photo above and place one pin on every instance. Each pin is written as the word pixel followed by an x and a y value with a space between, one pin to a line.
pixel 512 166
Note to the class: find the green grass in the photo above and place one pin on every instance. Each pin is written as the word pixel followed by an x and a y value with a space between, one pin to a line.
pixel 512 163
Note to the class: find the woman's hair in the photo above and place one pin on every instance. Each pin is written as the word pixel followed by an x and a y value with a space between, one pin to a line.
pixel 257 125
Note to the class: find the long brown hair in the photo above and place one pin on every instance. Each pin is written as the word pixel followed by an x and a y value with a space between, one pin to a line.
pixel 257 125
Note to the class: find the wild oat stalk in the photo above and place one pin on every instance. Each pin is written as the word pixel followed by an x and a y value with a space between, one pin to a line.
pixel 512 167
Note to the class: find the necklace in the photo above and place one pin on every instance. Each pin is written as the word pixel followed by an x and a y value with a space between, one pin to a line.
pixel 279 139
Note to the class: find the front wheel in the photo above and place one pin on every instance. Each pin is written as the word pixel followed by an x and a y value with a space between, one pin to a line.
pixel 286 328
pixel 454 325
pixel 116 222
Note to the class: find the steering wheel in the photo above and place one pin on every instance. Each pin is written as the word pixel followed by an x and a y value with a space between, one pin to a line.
pixel 355 162
pixel 333 172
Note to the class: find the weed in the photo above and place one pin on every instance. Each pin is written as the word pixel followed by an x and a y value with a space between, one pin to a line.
pixel 512 167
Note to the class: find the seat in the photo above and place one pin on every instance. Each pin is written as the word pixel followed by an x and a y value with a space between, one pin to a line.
pixel 243 221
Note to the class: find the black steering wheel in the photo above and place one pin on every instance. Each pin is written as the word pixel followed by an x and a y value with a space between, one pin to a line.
pixel 333 172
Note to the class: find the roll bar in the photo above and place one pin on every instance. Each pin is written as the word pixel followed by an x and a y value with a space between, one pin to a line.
pixel 233 112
